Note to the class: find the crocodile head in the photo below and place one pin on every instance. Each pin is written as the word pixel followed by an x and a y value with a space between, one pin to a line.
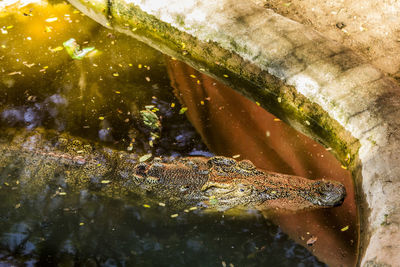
pixel 237 184
pixel 229 185
pixel 325 193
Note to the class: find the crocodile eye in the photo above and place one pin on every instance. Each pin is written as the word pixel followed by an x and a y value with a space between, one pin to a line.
pixel 246 165
pixel 221 162
pixel 141 167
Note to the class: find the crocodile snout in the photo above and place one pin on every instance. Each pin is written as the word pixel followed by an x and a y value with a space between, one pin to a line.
pixel 327 193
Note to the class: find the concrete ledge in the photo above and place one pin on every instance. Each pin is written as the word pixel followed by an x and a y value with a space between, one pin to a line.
pixel 318 86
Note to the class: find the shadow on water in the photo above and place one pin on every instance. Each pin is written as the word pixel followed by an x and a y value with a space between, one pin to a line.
pixel 100 98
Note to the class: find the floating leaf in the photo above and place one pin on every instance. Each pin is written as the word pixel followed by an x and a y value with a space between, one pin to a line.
pixel 51 19
pixel 150 119
pixel 145 157
pixel 183 110
pixel 73 49
pixel 312 240
pixel 56 49
pixel 345 228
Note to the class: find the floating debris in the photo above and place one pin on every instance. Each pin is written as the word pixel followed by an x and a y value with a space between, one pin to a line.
pixel 56 49
pixel 345 228
pixel 150 118
pixel 51 19
pixel 183 110
pixel 174 215
pixel 147 206
pixel 145 157
pixel 312 240
pixel 73 49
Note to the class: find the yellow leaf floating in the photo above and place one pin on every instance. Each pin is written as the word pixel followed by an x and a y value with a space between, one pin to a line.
pixel 51 19
pixel 56 49
pixel 145 157
pixel 345 228
pixel 183 110
pixel 146 206
pixel 105 181
pixel 174 215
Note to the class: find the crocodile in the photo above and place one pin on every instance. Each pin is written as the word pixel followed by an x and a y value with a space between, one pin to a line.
pixel 44 158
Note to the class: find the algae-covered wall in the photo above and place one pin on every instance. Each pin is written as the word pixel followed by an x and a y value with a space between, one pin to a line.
pixel 318 86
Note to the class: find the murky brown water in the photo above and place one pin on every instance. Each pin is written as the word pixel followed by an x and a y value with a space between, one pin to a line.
pixel 99 98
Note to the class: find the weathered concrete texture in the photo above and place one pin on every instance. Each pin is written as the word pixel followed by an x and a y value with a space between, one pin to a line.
pixel 318 86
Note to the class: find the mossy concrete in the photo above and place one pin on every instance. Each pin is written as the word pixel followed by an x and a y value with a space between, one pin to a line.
pixel 318 86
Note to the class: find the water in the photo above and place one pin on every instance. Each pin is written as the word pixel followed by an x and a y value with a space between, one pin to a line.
pixel 100 99
pixel 89 230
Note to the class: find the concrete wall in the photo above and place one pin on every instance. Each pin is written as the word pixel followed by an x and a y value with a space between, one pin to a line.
pixel 318 86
